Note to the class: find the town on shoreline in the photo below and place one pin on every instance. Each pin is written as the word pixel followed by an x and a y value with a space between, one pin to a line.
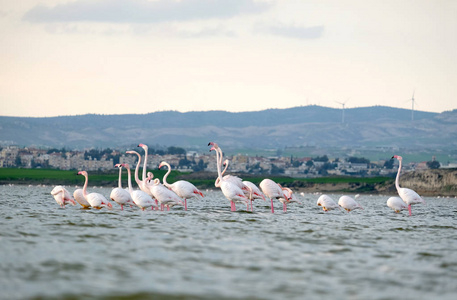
pixel 191 161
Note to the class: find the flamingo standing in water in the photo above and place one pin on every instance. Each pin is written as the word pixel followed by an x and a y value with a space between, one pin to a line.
pixel 182 188
pixel 62 196
pixel 230 190
pixel 396 203
pixel 348 203
pixel 79 197
pixel 289 197
pixel 327 203
pixel 407 195
pixel 140 198
pixel 142 184
pixel 254 192
pixel 120 195
pixel 231 178
pixel 95 200
pixel 165 196
pixel 272 190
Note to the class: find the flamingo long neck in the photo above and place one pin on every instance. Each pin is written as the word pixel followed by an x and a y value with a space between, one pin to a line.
pixel 397 184
pixel 221 157
pixel 225 169
pixel 119 184
pixel 137 179
pixel 219 178
pixel 165 183
pixel 85 185
pixel 129 180
pixel 145 164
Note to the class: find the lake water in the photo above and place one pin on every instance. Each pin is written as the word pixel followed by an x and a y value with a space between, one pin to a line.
pixel 208 252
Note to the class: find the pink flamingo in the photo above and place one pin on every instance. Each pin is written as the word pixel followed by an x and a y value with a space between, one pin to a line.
pixel 142 184
pixel 79 197
pixel 272 190
pixel 231 191
pixel 254 193
pixel 182 188
pixel 327 203
pixel 62 196
pixel 407 195
pixel 165 196
pixel 140 198
pixel 289 197
pixel 348 203
pixel 396 203
pixel 120 195
pixel 95 200
pixel 231 178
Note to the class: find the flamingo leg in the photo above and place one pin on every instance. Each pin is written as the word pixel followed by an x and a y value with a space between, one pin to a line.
pixel 409 209
pixel 284 207
pixel 168 208
pixel 185 204
pixel 251 206
pixel 122 207
pixel 161 206
pixel 232 205
pixel 272 207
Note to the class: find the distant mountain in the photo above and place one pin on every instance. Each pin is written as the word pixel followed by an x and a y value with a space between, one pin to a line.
pixel 376 126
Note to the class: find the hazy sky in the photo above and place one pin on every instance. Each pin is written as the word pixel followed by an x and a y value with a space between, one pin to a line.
pixel 64 57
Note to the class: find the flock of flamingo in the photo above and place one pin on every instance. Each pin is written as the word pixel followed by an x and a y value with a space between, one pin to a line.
pixel 156 195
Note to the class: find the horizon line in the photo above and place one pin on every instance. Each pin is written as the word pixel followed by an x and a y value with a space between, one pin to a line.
pixel 218 110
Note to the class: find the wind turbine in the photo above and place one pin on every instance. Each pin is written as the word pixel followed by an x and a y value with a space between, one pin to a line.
pixel 412 107
pixel 343 104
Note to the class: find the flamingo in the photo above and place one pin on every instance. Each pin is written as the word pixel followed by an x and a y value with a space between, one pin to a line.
pixel 165 196
pixel 140 198
pixel 233 179
pixel 407 195
pixel 120 195
pixel 62 196
pixel 272 190
pixel 182 188
pixel 348 203
pixel 231 191
pixel 396 203
pixel 95 200
pixel 289 197
pixel 79 197
pixel 327 203
pixel 254 193
pixel 142 184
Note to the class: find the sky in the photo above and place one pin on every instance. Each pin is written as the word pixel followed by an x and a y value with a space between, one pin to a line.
pixel 62 57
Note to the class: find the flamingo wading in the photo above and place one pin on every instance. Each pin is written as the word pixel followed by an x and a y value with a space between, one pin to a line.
pixel 407 195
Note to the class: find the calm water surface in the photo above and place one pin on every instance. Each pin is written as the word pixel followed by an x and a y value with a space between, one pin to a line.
pixel 209 252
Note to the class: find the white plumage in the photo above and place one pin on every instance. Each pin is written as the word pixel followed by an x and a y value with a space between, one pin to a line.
pixel 348 203
pixel 396 203
pixel 327 203
pixel 62 196
pixel 95 200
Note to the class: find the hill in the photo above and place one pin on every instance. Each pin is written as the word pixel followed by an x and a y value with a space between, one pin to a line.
pixel 377 126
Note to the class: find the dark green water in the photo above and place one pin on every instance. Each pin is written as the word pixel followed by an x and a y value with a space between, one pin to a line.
pixel 209 252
